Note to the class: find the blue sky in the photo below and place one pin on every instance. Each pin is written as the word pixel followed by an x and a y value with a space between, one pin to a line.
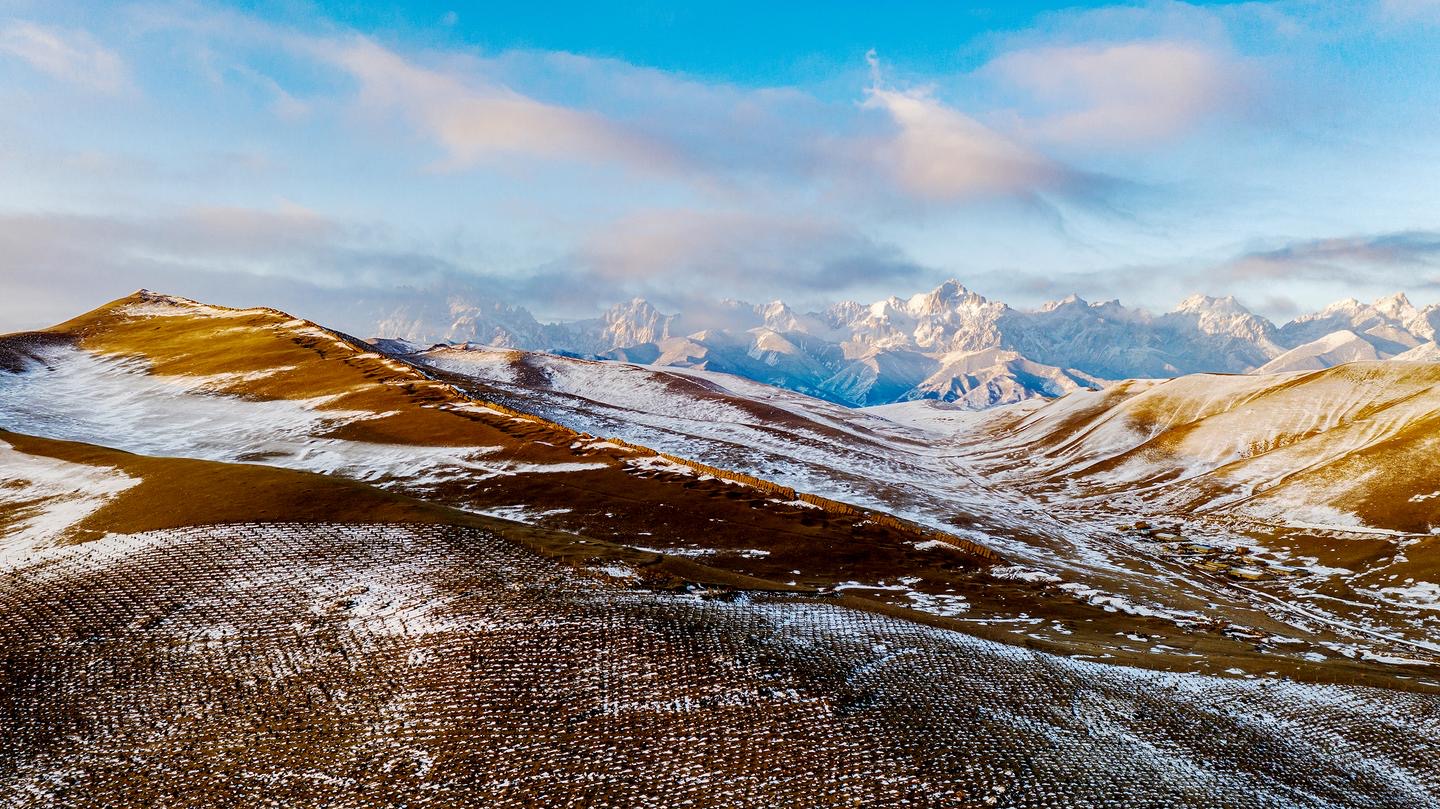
pixel 315 155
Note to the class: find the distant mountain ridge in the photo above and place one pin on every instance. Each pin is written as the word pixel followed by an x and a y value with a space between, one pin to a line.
pixel 950 343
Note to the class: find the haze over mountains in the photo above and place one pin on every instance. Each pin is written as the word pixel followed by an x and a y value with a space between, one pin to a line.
pixel 949 344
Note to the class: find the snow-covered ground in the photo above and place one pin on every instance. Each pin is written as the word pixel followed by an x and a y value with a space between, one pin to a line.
pixel 50 496
pixel 410 648
pixel 114 402
pixel 930 461
pixel 940 466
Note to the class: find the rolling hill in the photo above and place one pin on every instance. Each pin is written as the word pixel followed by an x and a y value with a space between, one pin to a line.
pixel 245 559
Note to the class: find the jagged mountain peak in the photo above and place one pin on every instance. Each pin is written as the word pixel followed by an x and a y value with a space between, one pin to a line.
pixel 1206 304
pixel 1071 302
pixel 634 306
pixel 899 347
pixel 950 296
pixel 1397 306
pixel 1344 305
pixel 1391 324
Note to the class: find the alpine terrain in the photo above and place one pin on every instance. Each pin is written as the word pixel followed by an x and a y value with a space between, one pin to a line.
pixel 248 560
pixel 949 344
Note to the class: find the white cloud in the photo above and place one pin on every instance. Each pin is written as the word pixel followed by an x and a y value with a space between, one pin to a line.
pixel 1124 94
pixel 940 153
pixel 476 120
pixel 53 265
pixel 72 56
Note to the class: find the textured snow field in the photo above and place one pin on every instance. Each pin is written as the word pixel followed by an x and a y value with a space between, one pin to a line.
pixel 354 666
pixel 893 458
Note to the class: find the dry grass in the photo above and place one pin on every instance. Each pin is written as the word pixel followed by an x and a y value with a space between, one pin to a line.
pixel 373 665
pixel 751 539
pixel 181 492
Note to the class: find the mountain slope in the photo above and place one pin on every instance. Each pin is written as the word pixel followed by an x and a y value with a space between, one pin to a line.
pixel 1392 325
pixel 947 467
pixel 1333 349
pixel 406 665
pixel 1312 493
pixel 157 375
pixel 1254 443
pixel 302 607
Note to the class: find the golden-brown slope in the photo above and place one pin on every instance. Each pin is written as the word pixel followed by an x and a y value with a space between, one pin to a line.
pixel 170 493
pixel 619 498
pixel 1345 446
pixel 599 489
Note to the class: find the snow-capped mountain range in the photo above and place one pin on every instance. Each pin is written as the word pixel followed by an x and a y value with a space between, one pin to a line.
pixel 949 343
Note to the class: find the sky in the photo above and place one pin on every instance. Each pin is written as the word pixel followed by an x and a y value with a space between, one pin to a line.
pixel 332 158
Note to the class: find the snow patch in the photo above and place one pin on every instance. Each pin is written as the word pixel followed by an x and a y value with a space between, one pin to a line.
pixel 52 496
pixel 1016 573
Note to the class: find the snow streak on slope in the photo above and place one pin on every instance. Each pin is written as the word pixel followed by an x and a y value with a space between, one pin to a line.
pixel 82 396
pixel 1320 486
pixel 333 388
pixel 1345 442
pixel 719 419
pixel 258 386
pixel 810 444
pixel 42 498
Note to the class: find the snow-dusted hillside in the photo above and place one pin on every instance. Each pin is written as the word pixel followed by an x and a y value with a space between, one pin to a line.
pixel 245 416
pixel 949 344
pixel 1333 349
pixel 1349 446
pixel 1046 483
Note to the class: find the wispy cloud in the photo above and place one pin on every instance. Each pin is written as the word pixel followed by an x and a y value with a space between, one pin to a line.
pixel 710 135
pixel 1280 280
pixel 1410 11
pixel 485 111
pixel 284 241
pixel 1403 257
pixel 52 265
pixel 611 171
pixel 939 153
pixel 69 55
pixel 316 265
pixel 477 120
pixel 1127 93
